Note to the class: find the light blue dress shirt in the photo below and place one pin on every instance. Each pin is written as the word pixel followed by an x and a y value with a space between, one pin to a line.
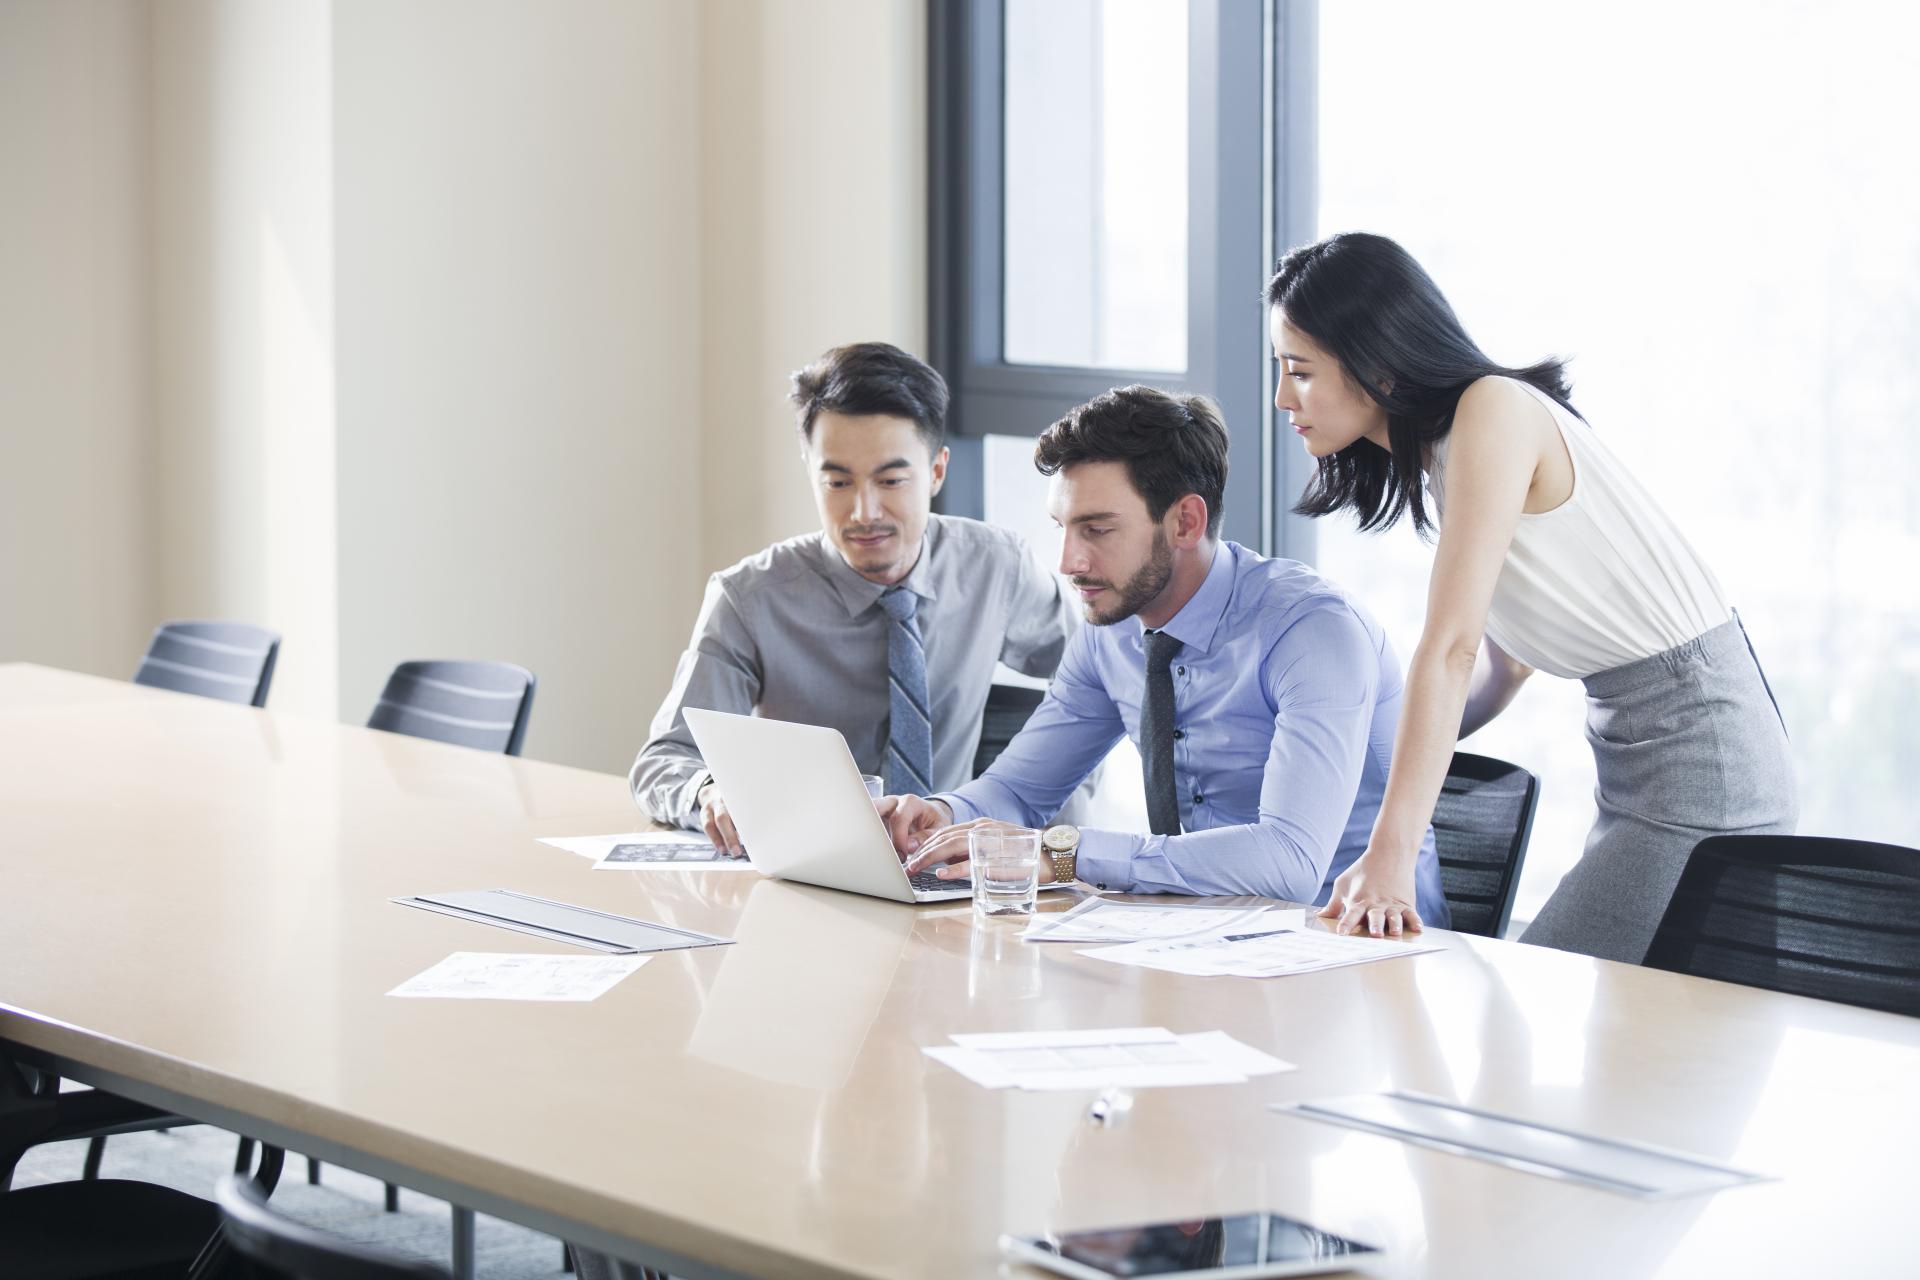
pixel 1286 697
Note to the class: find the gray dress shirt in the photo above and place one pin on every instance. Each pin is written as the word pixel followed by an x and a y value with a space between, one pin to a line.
pixel 793 633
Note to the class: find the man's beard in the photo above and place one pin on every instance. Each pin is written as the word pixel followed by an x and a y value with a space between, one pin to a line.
pixel 1146 583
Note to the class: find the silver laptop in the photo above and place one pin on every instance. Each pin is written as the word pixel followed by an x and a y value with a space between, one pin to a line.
pixel 796 797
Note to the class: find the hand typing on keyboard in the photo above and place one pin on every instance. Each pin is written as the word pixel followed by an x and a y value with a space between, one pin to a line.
pixel 947 848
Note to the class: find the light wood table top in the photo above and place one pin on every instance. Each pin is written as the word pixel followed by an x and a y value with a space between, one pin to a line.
pixel 194 909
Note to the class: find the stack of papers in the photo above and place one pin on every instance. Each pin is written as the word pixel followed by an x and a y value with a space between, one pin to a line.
pixel 484 975
pixel 1123 1057
pixel 1256 952
pixel 1104 920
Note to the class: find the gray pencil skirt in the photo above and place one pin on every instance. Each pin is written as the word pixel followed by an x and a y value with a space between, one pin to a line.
pixel 1688 744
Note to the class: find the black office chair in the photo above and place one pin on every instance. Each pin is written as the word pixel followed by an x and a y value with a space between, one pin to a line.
pixel 94 1229
pixel 1480 830
pixel 483 705
pixel 469 704
pixel 1806 915
pixel 231 661
pixel 281 1248
pixel 1009 707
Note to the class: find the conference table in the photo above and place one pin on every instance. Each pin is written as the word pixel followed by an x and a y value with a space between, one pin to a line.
pixel 195 912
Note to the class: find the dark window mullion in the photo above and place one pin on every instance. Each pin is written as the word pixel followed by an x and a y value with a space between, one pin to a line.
pixel 1233 224
pixel 1293 217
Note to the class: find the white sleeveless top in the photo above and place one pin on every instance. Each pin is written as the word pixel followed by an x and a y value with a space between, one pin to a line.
pixel 1601 580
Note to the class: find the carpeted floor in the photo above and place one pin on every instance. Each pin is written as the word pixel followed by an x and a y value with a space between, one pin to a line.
pixel 346 1203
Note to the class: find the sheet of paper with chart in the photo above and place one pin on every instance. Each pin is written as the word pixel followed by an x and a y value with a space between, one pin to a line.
pixel 650 851
pixel 1256 953
pixel 490 975
pixel 1124 1057
pixel 1105 920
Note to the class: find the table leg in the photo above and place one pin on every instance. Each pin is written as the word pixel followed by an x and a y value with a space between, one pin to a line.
pixel 462 1243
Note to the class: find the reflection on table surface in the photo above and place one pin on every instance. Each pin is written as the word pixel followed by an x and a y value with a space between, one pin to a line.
pixel 197 895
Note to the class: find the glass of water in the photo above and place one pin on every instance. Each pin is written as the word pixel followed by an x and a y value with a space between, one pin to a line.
pixel 1005 869
pixel 875 784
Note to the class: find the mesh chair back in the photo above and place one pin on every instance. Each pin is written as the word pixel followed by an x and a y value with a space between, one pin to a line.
pixel 278 1246
pixel 1833 919
pixel 26 1117
pixel 1009 706
pixel 1480 830
pixel 231 661
pixel 470 704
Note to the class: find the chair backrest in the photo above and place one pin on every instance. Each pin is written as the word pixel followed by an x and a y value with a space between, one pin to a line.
pixel 1480 830
pixel 231 661
pixel 26 1117
pixel 1810 916
pixel 470 704
pixel 1009 706
pixel 278 1246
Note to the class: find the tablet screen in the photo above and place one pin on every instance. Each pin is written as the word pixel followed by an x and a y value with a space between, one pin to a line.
pixel 1202 1245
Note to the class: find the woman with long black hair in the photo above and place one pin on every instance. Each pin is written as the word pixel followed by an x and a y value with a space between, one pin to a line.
pixel 1549 556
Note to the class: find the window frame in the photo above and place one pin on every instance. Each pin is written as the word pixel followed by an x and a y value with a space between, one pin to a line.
pixel 1250 190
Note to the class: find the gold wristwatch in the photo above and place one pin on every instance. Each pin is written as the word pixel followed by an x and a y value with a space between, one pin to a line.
pixel 1062 843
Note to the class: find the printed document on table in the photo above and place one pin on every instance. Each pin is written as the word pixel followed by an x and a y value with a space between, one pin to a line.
pixel 485 975
pixel 1125 1057
pixel 1104 920
pixel 1256 953
pixel 650 851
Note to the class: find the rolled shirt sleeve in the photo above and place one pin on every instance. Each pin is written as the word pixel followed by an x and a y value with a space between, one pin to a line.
pixel 1040 620
pixel 720 670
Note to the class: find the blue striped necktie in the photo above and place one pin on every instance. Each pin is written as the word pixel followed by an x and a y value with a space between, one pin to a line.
pixel 909 726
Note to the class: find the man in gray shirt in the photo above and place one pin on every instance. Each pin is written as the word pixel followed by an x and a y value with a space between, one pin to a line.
pixel 885 625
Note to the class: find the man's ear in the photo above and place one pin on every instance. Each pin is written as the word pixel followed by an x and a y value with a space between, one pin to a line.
pixel 1189 521
pixel 939 471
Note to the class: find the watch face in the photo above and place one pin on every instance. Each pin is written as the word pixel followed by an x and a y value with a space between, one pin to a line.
pixel 1061 838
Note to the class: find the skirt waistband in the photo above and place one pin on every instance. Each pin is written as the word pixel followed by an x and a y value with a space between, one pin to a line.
pixel 1726 641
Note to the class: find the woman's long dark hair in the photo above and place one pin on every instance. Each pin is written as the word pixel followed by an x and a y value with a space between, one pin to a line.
pixel 1369 305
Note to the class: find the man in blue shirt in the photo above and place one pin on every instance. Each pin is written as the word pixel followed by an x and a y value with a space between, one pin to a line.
pixel 1262 699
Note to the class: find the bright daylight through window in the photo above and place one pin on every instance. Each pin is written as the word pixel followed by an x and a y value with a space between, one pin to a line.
pixel 1705 211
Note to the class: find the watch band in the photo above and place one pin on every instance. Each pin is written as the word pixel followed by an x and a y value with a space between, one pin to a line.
pixel 1065 860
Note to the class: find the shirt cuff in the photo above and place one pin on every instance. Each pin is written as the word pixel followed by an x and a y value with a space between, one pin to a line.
pixel 687 812
pixel 962 810
pixel 1105 860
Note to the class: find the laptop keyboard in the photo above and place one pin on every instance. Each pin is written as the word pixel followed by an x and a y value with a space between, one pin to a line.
pixel 928 882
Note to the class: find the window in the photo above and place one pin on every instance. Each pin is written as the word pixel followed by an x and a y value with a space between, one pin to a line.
pixel 1096 184
pixel 1104 208
pixel 1703 207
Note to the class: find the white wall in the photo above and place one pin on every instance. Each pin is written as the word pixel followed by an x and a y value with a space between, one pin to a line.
pixel 456 329
pixel 519 411
pixel 242 270
pixel 813 138
pixel 76 512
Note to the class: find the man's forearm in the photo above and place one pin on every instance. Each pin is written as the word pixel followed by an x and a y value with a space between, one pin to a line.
pixel 666 781
pixel 1262 859
pixel 986 797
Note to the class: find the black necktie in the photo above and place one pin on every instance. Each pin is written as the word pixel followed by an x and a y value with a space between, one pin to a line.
pixel 1156 736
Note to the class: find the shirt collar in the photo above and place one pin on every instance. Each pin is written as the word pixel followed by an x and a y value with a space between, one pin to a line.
pixel 858 594
pixel 1199 618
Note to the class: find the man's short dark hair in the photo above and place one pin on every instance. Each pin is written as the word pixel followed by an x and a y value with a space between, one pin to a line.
pixel 873 378
pixel 1172 445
